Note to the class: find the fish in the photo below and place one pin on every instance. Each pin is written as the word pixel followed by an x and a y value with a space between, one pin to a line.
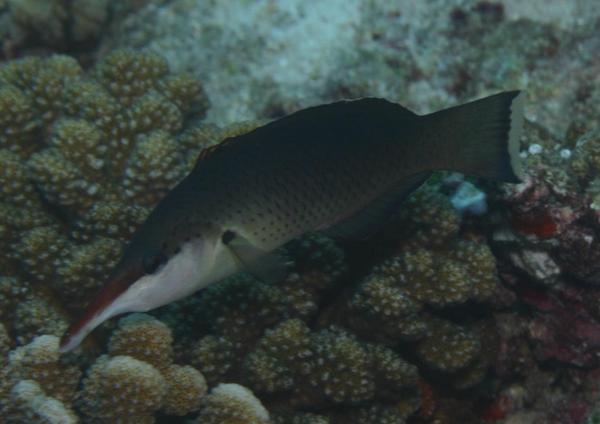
pixel 341 168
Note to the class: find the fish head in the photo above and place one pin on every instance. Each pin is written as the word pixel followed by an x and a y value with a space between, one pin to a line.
pixel 163 262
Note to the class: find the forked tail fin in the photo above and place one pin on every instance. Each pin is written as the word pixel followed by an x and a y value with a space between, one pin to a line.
pixel 480 138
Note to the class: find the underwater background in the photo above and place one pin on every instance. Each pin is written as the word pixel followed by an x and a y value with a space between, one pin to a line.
pixel 479 303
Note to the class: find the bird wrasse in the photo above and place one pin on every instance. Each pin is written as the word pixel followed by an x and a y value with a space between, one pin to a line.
pixel 341 168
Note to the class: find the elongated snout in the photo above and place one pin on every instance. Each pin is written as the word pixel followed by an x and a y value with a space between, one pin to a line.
pixel 99 309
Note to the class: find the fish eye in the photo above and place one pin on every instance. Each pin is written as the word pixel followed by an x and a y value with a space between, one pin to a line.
pixel 152 261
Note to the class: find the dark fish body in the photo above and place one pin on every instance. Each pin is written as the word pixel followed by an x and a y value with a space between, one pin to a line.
pixel 341 167
pixel 314 168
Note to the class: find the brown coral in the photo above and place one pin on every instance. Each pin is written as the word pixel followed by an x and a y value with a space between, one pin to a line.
pixel 185 389
pixel 122 387
pixel 232 404
pixel 144 338
pixel 40 361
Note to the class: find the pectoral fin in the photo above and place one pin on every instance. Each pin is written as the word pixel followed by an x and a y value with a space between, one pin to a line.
pixel 264 265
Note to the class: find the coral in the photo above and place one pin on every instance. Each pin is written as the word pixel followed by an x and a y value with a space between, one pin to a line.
pixel 14 221
pixel 447 347
pixel 325 367
pixel 379 300
pixel 128 76
pixel 279 357
pixel 14 180
pixel 37 314
pixel 552 241
pixel 40 361
pixel 465 272
pixel 401 328
pixel 157 152
pixel 41 249
pixel 232 404
pixel 28 403
pixel 144 338
pixel 185 389
pixel 81 168
pixel 5 343
pixel 56 24
pixel 341 369
pixel 393 375
pixel 18 121
pixel 122 387
pixel 12 293
pixel 83 269
pixel 110 219
pixel 214 356
pixel 376 414
pixel 300 418
pixel 230 305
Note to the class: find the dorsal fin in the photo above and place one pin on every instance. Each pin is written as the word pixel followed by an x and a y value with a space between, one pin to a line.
pixel 308 116
pixel 210 150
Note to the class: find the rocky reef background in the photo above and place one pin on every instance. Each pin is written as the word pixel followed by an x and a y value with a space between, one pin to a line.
pixel 479 303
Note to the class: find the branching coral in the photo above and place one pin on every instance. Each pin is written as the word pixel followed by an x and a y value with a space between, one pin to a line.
pixel 37 314
pixel 122 386
pixel 144 344
pixel 29 404
pixel 85 155
pixel 447 347
pixel 40 361
pixel 232 404
pixel 186 388
pixel 53 24
pixel 5 343
pixel 326 367
pixel 100 147
pixel 83 158
pixel 144 338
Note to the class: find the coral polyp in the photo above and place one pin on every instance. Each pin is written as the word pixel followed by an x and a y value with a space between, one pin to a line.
pixel 478 302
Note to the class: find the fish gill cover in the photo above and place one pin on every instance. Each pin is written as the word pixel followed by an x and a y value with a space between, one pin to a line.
pixel 445 317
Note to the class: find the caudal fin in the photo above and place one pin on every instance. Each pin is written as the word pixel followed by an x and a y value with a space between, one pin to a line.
pixel 481 137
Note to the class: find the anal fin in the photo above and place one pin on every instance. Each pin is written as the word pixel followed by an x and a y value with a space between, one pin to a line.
pixel 377 214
